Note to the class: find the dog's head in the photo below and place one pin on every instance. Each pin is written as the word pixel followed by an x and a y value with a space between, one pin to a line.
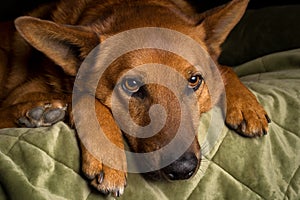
pixel 130 89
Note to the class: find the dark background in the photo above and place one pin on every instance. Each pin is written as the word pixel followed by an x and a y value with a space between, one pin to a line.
pixel 254 4
pixel 267 27
pixel 13 8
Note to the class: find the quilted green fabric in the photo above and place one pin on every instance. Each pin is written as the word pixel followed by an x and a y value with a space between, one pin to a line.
pixel 44 163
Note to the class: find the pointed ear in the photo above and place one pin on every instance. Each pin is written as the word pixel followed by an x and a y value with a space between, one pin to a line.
pixel 65 45
pixel 218 22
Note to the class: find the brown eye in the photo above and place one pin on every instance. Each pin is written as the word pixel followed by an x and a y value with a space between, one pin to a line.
pixel 131 85
pixel 195 82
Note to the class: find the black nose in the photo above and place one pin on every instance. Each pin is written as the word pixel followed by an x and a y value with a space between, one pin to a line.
pixel 182 168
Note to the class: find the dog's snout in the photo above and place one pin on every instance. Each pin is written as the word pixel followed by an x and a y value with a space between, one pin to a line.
pixel 182 168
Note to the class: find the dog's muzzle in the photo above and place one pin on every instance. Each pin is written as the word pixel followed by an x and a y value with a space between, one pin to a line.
pixel 183 168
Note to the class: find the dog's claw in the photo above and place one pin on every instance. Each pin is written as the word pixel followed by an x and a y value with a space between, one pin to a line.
pixel 268 118
pixel 106 187
pixel 100 177
pixel 119 192
pixel 243 126
pixel 105 179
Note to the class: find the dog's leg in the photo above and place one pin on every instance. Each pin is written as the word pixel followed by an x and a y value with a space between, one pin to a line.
pixel 33 114
pixel 3 65
pixel 244 113
pixel 34 109
pixel 104 178
pixel 6 35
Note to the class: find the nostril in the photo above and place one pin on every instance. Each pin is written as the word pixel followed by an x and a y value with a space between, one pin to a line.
pixel 183 168
pixel 190 173
pixel 171 176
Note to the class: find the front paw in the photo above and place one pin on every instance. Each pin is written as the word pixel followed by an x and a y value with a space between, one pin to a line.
pixel 105 179
pixel 248 118
pixel 109 181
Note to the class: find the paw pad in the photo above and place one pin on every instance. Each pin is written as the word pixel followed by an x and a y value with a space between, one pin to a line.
pixel 40 116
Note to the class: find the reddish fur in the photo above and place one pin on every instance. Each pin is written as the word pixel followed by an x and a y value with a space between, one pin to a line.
pixel 31 79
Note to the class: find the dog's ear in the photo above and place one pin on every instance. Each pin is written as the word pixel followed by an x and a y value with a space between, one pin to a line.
pixel 65 45
pixel 218 22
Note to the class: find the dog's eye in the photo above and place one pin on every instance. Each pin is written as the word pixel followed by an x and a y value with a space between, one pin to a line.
pixel 195 82
pixel 131 85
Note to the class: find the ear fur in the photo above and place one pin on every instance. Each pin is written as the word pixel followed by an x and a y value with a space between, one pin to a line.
pixel 65 45
pixel 219 22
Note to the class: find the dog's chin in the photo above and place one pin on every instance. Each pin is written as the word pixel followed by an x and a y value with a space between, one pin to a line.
pixel 155 176
pixel 183 168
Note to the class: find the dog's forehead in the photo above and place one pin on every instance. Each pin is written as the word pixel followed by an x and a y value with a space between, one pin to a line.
pixel 156 73
pixel 152 65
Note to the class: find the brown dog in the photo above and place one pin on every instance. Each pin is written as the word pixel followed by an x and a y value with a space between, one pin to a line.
pixel 40 61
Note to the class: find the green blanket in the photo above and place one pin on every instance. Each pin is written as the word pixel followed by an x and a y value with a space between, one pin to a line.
pixel 44 163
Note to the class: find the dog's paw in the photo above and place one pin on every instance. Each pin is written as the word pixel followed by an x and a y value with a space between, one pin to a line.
pixel 110 181
pixel 45 115
pixel 105 179
pixel 247 118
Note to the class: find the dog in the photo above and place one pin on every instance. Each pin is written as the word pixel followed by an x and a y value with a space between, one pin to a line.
pixel 41 55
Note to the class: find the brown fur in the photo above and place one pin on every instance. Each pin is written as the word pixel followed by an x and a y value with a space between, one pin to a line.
pixel 65 33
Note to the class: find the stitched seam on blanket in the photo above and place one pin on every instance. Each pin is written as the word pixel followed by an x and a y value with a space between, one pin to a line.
pixel 209 160
pixel 8 152
pixel 189 196
pixel 161 195
pixel 263 65
pixel 18 139
pixel 294 174
pixel 88 196
pixel 212 162
pixel 29 183
pixel 285 129
pixel 250 189
pixel 23 139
